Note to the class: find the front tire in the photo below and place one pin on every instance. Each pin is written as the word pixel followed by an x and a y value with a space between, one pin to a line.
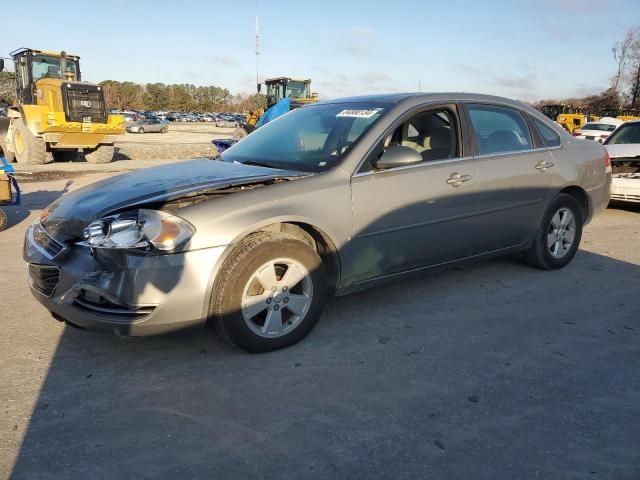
pixel 28 148
pixel 270 292
pixel 558 237
pixel 141 130
pixel 100 154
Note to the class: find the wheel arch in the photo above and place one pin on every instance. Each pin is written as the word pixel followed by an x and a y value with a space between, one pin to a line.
pixel 32 116
pixel 310 233
pixel 580 195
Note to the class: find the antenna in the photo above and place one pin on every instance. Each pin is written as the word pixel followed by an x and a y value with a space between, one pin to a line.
pixel 257 44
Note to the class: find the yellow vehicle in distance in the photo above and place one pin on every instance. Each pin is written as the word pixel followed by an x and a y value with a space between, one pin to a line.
pixel 56 114
pixel 624 114
pixel 298 90
pixel 569 117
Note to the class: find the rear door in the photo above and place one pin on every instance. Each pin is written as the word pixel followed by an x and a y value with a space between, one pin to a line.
pixel 514 176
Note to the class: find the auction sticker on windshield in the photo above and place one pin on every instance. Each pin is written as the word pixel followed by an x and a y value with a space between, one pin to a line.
pixel 358 113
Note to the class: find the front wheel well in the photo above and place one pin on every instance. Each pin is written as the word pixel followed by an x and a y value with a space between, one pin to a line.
pixel 581 197
pixel 316 239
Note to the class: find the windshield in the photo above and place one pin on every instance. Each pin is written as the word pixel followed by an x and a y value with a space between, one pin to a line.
pixel 601 127
pixel 296 90
pixel 46 66
pixel 309 139
pixel 629 133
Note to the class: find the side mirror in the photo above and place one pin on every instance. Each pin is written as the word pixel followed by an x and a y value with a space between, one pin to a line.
pixel 259 87
pixel 397 156
pixel 1 64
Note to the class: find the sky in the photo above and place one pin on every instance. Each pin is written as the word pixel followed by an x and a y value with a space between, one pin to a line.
pixel 530 50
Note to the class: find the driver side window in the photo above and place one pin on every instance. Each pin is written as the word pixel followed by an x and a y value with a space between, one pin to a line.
pixel 432 134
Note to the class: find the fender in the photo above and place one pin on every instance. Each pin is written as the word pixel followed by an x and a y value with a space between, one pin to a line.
pixel 33 116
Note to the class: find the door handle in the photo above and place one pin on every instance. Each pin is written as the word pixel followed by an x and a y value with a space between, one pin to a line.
pixel 456 179
pixel 543 165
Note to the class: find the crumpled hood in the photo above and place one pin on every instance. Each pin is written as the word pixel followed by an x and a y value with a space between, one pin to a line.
pixel 67 217
pixel 624 150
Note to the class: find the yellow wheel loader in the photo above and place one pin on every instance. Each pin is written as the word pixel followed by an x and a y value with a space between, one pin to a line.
pixel 299 91
pixel 56 114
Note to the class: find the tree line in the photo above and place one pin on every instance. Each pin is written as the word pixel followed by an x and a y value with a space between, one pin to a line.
pixel 177 97
pixel 624 89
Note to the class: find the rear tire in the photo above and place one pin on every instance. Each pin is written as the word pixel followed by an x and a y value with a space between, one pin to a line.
pixel 164 130
pixel 563 209
pixel 64 155
pixel 285 313
pixel 100 154
pixel 28 148
pixel 141 130
pixel 3 220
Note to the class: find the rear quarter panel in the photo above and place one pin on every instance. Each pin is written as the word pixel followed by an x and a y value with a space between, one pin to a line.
pixel 581 163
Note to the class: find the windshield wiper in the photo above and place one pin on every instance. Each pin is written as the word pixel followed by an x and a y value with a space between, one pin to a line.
pixel 256 163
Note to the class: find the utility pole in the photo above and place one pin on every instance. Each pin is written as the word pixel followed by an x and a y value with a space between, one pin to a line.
pixel 257 45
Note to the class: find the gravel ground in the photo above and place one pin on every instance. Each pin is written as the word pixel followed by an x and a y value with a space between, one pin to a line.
pixel 490 371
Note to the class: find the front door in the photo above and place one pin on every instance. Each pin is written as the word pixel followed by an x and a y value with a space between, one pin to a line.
pixel 409 217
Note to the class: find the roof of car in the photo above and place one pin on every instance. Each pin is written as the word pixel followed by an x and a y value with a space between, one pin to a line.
pixel 393 98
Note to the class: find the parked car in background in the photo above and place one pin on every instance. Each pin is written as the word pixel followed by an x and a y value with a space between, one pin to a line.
pixel 330 198
pixel 598 131
pixel 226 122
pixel 148 126
pixel 624 150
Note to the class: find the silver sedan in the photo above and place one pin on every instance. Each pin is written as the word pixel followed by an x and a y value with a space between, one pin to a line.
pixel 330 198
pixel 148 126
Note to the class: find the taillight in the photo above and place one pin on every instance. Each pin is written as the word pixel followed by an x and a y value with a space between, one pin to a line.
pixel 576 134
pixel 604 135
pixel 607 159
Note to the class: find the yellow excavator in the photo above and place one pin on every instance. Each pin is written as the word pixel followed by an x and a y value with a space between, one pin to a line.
pixel 296 90
pixel 56 114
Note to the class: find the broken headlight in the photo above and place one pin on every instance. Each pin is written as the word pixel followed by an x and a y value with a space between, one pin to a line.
pixel 142 229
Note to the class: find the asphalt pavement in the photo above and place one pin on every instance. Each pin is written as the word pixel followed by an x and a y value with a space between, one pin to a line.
pixel 494 370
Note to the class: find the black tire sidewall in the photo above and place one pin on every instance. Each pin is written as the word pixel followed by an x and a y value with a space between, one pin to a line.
pixel 561 201
pixel 231 293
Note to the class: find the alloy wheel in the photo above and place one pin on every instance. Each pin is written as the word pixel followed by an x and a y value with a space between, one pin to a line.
pixel 277 297
pixel 562 232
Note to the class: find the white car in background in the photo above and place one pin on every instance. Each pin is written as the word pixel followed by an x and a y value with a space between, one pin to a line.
pixel 623 147
pixel 598 131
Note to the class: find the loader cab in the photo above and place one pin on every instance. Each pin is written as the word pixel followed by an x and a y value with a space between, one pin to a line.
pixel 34 65
pixel 284 87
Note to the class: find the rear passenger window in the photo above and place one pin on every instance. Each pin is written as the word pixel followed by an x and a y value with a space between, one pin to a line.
pixel 499 129
pixel 549 137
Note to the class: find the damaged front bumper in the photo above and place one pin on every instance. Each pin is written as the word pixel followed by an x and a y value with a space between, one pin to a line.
pixel 119 291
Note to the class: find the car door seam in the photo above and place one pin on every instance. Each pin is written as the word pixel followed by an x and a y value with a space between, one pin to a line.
pixel 448 219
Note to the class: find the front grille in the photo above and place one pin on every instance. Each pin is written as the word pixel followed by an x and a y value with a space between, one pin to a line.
pixel 96 303
pixel 84 103
pixel 625 197
pixel 44 278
